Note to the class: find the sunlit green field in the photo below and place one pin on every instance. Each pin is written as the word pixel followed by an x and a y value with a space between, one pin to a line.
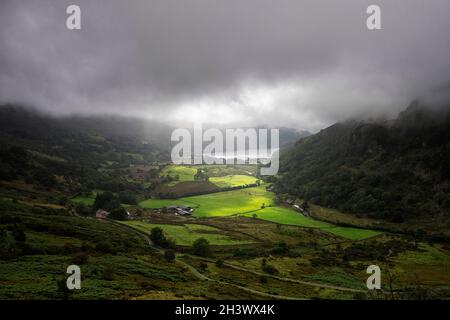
pixel 221 203
pixel 233 180
pixel 291 217
pixel 184 173
pixel 185 235
pixel 231 202
pixel 220 170
pixel 248 202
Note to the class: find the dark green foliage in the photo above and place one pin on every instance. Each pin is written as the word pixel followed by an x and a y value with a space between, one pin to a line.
pixel 201 248
pixel 270 269
pixel 201 175
pixel 127 198
pixel 118 214
pixel 263 279
pixel 18 234
pixel 169 255
pixel 385 170
pixel 80 258
pixel 203 266
pixel 108 274
pixel 62 290
pixel 8 246
pixel 105 247
pixel 37 148
pixel 220 263
pixel 280 248
pixel 106 201
pixel 83 210
pixel 157 236
pixel 249 252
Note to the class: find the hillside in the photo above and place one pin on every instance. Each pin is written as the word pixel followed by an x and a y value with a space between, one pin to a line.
pixel 70 154
pixel 394 170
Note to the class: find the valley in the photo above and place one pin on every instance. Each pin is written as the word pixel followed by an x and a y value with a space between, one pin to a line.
pixel 142 228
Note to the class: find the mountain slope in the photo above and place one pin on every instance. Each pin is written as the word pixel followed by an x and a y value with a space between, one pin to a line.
pixel 394 170
pixel 73 153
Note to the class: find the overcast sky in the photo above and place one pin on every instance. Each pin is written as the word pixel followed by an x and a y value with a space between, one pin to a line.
pixel 304 64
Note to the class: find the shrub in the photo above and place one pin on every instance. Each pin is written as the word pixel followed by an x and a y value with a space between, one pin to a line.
pixel 270 269
pixel 62 290
pixel 127 197
pixel 280 248
pixel 8 246
pixel 157 236
pixel 169 255
pixel 119 214
pixel 108 274
pixel 82 209
pixel 201 248
pixel 219 263
pixel 105 247
pixel 80 258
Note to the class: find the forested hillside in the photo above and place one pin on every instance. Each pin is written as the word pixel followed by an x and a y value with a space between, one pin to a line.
pixel 394 170
pixel 72 153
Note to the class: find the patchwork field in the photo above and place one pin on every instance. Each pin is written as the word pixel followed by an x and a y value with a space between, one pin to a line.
pixel 291 217
pixel 221 176
pixel 220 170
pixel 220 203
pixel 187 188
pixel 231 202
pixel 183 173
pixel 249 202
pixel 233 180
pixel 185 235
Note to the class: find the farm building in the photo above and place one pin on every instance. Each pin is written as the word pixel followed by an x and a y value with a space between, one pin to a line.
pixel 180 210
pixel 303 209
pixel 101 214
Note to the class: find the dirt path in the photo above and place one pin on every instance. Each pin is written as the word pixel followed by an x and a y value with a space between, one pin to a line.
pixel 205 278
pixel 198 274
pixel 307 283
pixel 201 276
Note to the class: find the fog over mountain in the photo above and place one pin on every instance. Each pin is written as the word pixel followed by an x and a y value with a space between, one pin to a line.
pixel 299 64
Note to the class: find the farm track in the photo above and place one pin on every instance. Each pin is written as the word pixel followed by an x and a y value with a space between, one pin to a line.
pixel 198 274
pixel 307 283
pixel 201 276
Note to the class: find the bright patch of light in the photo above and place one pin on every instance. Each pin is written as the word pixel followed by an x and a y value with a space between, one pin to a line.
pixel 251 102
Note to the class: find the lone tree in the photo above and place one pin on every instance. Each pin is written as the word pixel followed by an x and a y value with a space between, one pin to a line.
pixel 106 200
pixel 201 175
pixel 157 236
pixel 119 214
pixel 169 255
pixel 201 248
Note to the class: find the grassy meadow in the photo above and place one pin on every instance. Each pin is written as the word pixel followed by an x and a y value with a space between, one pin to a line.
pixel 290 217
pixel 185 235
pixel 233 180
pixel 231 202
pixel 184 173
pixel 249 202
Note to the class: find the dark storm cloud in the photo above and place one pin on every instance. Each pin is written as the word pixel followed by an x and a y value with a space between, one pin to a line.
pixel 284 62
